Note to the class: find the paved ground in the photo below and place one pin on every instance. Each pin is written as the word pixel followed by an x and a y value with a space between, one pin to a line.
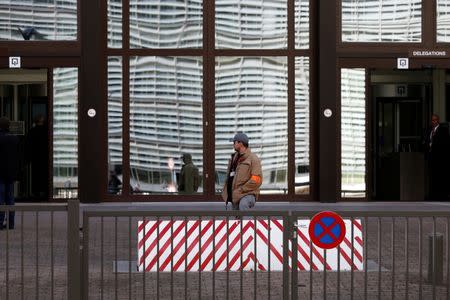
pixel 29 267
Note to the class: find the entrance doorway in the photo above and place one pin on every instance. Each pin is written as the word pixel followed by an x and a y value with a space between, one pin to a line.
pixel 402 103
pixel 24 100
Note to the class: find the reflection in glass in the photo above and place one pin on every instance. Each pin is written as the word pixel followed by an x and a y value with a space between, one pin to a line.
pixel 302 24
pixel 353 132
pixel 166 114
pixel 381 21
pixel 166 23
pixel 114 23
pixel 251 96
pixel 115 125
pixel 247 24
pixel 302 182
pixel 443 21
pixel 65 133
pixel 38 20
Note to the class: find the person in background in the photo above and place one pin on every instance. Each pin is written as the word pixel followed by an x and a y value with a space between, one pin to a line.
pixel 9 166
pixel 37 155
pixel 189 179
pixel 244 175
pixel 437 147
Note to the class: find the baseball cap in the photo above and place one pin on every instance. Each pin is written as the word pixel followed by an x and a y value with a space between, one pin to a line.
pixel 240 137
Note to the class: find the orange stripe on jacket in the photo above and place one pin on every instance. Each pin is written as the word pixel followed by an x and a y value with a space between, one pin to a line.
pixel 256 179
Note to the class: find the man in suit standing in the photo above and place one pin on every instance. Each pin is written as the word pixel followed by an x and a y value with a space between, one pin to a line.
pixel 437 146
pixel 9 146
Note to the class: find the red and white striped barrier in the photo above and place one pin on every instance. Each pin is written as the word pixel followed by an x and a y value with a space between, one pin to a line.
pixel 215 245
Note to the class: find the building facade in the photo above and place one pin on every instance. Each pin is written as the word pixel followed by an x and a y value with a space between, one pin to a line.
pixel 128 86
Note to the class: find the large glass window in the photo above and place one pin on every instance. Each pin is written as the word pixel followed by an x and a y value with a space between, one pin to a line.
pixel 353 132
pixel 166 23
pixel 166 121
pixel 38 20
pixel 65 133
pixel 114 23
pixel 251 24
pixel 115 131
pixel 251 96
pixel 302 181
pixel 443 21
pixel 302 24
pixel 381 20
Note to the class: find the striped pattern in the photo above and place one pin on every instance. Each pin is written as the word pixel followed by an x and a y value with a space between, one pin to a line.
pixel 219 245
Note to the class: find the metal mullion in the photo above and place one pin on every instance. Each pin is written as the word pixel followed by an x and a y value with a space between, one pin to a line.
pixel 208 97
pixel 291 98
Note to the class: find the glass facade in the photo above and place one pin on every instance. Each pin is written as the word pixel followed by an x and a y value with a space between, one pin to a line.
pixel 353 132
pixel 38 20
pixel 381 21
pixel 302 24
pixel 302 179
pixel 115 125
pixel 166 121
pixel 251 24
pixel 65 133
pixel 166 24
pixel 443 21
pixel 114 15
pixel 251 96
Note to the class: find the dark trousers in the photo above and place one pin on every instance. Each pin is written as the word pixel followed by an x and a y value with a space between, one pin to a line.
pixel 7 197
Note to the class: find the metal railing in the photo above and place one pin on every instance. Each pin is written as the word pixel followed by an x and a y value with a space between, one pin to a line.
pixel 220 254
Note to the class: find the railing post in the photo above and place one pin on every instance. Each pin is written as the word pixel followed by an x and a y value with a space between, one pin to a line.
pixel 294 281
pixel 287 234
pixel 73 250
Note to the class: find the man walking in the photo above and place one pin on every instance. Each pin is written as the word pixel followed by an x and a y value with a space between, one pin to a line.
pixel 244 175
pixel 9 145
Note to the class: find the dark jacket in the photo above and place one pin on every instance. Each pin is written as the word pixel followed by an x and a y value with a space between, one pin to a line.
pixel 189 176
pixel 9 156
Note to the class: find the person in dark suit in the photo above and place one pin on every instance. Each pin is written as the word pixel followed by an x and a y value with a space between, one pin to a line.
pixel 437 146
pixel 9 166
